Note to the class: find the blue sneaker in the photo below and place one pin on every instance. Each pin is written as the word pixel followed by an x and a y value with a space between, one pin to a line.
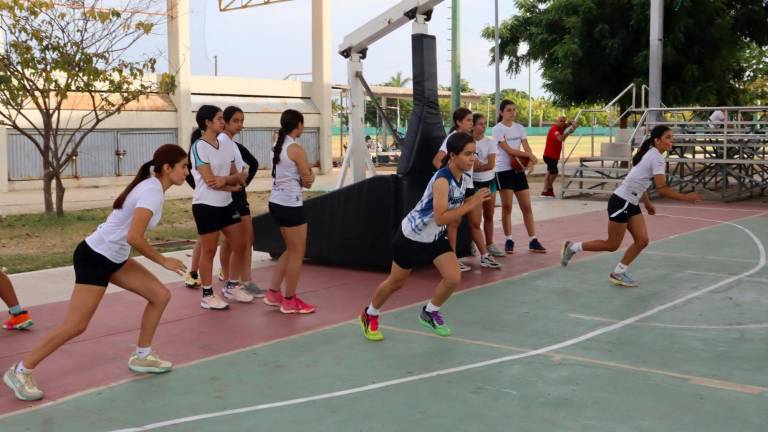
pixel 622 279
pixel 566 253
pixel 535 246
pixel 509 246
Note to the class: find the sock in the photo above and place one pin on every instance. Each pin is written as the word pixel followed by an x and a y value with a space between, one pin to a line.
pixel 194 274
pixel 21 369
pixel 509 237
pixel 143 352
pixel 232 283
pixel 432 308
pixel 208 291
pixel 531 238
pixel 372 310
pixel 16 310
pixel 486 255
pixel 620 268
pixel 576 247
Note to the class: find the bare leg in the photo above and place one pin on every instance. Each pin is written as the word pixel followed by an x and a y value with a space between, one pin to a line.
pixel 524 201
pixel 616 232
pixel 225 253
pixel 639 233
pixel 453 233
pixel 234 237
pixel 448 266
pixel 195 265
pixel 489 208
pixel 7 294
pixel 475 219
pixel 247 234
pixel 208 243
pixel 395 281
pixel 290 262
pixel 506 210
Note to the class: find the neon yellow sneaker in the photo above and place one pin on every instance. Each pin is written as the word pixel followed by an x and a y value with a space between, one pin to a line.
pixel 370 326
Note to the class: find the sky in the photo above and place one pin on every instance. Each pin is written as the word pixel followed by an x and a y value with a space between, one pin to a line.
pixel 273 41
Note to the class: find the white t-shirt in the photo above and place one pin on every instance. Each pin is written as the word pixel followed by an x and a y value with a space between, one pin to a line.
pixel 220 161
pixel 444 149
pixel 484 149
pixel 110 238
pixel 514 136
pixel 641 176
pixel 716 119
pixel 286 186
pixel 224 139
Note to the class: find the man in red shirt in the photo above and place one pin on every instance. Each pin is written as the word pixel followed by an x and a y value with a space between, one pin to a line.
pixel 555 137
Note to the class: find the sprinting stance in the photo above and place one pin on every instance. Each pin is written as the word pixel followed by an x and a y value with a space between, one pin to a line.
pixel 291 171
pixel 552 149
pixel 511 163
pixel 624 212
pixel 484 176
pixel 216 176
pixel 104 257
pixel 422 238
pixel 462 123
pixel 19 319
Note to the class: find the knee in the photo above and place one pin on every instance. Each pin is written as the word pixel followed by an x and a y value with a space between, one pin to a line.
pixel 163 295
pixel 642 243
pixel 452 281
pixel 506 208
pixel 74 330
pixel 613 246
pixel 207 251
pixel 396 284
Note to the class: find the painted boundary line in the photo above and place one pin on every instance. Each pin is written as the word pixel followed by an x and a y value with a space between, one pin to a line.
pixel 544 350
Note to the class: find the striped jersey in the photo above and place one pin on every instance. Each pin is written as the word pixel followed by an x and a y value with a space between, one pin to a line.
pixel 419 225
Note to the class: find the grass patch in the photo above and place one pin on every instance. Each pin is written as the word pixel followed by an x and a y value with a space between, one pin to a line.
pixel 31 242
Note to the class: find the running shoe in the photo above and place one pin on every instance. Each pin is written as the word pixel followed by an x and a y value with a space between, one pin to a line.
pixel 535 246
pixel 548 193
pixel 220 275
pixel 434 321
pixel 273 298
pixel 236 292
pixel 488 261
pixel 254 290
pixel 295 306
pixel 19 321
pixel 495 251
pixel 152 363
pixel 370 326
pixel 22 384
pixel 463 267
pixel 213 302
pixel 566 253
pixel 192 280
pixel 509 246
pixel 622 279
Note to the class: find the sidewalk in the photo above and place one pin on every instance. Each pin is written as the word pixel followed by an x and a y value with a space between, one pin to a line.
pixel 31 201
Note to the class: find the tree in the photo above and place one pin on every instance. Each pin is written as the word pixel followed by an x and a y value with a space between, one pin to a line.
pixel 754 86
pixel 59 52
pixel 591 49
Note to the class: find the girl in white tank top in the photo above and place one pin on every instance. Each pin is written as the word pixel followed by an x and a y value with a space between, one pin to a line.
pixel 286 183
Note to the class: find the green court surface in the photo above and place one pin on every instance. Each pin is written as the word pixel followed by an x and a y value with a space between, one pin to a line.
pixel 700 364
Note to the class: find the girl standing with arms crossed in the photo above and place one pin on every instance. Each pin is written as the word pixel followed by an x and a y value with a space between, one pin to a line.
pixel 422 236
pixel 484 177
pixel 624 214
pixel 104 257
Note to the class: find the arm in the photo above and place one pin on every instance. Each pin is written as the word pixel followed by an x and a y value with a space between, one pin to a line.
pixel 437 161
pixel 250 160
pixel 512 152
pixel 664 190
pixel 138 241
pixel 297 154
pixel 491 164
pixel 647 203
pixel 444 216
pixel 529 152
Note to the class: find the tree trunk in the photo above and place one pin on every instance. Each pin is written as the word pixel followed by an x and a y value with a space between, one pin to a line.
pixel 47 191
pixel 59 195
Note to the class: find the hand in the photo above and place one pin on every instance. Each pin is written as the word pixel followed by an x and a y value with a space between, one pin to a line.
pixel 532 159
pixel 216 182
pixel 480 196
pixel 243 177
pixel 651 208
pixel 174 265
pixel 693 197
pixel 308 180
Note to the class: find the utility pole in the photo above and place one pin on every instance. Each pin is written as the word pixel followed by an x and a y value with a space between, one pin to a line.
pixel 455 56
pixel 215 65
pixel 530 96
pixel 655 57
pixel 496 54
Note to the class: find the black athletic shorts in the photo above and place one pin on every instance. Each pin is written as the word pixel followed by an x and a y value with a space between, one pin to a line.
pixel 240 199
pixel 551 165
pixel 511 179
pixel 469 192
pixel 621 210
pixel 406 252
pixel 91 267
pixel 286 216
pixel 493 185
pixel 211 218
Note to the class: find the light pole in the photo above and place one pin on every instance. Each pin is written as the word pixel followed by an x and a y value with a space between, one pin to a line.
pixel 496 53
pixel 455 55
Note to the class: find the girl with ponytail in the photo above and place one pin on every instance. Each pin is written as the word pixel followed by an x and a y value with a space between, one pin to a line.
pixel 104 257
pixel 290 172
pixel 462 123
pixel 624 212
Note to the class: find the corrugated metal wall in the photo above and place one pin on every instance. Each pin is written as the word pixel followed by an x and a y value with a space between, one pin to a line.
pixel 259 142
pixel 98 156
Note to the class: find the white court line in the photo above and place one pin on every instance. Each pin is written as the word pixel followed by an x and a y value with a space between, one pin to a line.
pixel 682 255
pixel 678 326
pixel 707 208
pixel 724 274
pixel 557 346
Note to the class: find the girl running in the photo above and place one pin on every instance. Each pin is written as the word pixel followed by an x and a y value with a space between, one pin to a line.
pixel 484 176
pixel 103 257
pixel 246 165
pixel 291 171
pixel 19 319
pixel 624 214
pixel 510 172
pixel 216 177
pixel 422 236
pixel 462 122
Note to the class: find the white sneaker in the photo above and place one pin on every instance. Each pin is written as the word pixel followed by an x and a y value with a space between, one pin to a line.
pixel 220 275
pixel 22 384
pixel 488 261
pixel 494 251
pixel 463 267
pixel 152 363
pixel 237 293
pixel 213 302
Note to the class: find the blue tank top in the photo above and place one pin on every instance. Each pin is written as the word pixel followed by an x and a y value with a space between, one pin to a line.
pixel 419 225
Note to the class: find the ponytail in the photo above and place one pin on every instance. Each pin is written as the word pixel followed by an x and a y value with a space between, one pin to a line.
pixel 656 133
pixel 277 150
pixel 455 145
pixel 196 135
pixel 166 154
pixel 460 114
pixel 290 120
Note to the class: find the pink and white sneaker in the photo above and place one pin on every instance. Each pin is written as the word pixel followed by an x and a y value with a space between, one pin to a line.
pixel 273 298
pixel 296 306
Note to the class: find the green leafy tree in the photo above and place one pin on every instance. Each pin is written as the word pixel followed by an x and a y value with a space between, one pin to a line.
pixel 59 52
pixel 754 86
pixel 591 49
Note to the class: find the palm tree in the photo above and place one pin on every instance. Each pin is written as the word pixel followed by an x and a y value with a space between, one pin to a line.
pixel 397 80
